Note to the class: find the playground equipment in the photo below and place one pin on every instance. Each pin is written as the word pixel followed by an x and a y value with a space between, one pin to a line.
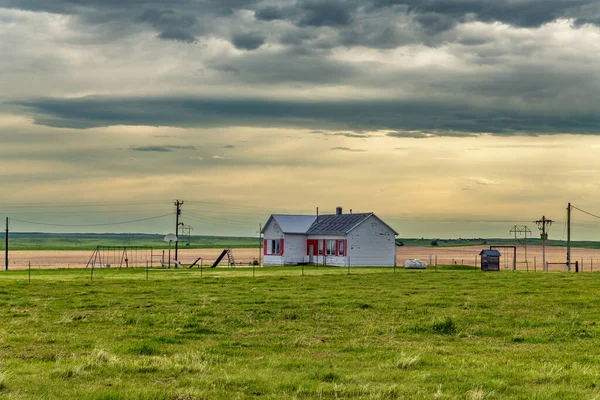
pixel 230 259
pixel 108 256
pixel 514 249
pixel 195 262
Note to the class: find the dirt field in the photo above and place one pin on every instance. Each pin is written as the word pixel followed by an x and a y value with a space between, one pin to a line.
pixel 467 255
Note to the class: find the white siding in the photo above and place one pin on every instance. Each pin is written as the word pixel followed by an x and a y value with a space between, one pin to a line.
pixel 294 248
pixel 372 243
pixel 273 231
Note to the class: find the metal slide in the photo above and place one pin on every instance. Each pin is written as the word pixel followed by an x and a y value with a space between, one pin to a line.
pixel 195 262
pixel 220 258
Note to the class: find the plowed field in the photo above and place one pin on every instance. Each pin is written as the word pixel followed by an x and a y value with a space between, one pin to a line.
pixel 467 255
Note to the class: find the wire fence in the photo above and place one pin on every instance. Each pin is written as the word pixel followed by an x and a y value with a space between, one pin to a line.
pixel 582 260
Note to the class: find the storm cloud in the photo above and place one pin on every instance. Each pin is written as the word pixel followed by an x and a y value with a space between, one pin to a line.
pixel 413 116
pixel 286 104
pixel 420 68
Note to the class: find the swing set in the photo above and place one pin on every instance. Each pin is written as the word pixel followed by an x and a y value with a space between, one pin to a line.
pixel 514 260
pixel 123 256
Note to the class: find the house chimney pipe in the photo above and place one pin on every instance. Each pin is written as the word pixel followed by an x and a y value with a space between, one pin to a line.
pixel 317 214
pixel 338 210
pixel 350 211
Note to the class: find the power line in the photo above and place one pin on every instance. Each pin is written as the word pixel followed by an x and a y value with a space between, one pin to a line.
pixel 585 212
pixel 81 212
pixel 218 221
pixel 91 225
pixel 81 204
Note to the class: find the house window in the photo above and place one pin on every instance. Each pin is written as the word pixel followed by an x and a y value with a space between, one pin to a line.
pixel 331 248
pixel 340 247
pixel 320 247
pixel 275 247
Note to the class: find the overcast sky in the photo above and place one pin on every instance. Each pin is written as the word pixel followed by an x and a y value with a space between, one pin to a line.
pixel 457 118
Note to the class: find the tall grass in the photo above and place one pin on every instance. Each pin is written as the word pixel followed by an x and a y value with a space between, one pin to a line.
pixel 372 334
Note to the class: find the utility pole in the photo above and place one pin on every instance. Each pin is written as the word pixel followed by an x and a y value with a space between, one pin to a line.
pixel 542 225
pixel 6 247
pixel 180 233
pixel 525 230
pixel 569 238
pixel 178 204
pixel 259 243
pixel 189 230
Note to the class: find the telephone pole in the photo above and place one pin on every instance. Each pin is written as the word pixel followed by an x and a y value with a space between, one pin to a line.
pixel 569 238
pixel 186 230
pixel 525 230
pixel 6 247
pixel 178 205
pixel 543 225
pixel 259 244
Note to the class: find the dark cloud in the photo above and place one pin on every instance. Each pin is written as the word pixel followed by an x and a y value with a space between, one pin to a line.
pixel 157 149
pixel 287 67
pixel 162 149
pixel 179 20
pixel 413 135
pixel 354 135
pixel 340 148
pixel 172 25
pixel 167 19
pixel 418 118
pixel 480 81
pixel 178 35
pixel 523 13
pixel 371 23
pixel 325 13
pixel 441 132
pixel 587 21
pixel 270 13
pixel 248 41
pixel 434 23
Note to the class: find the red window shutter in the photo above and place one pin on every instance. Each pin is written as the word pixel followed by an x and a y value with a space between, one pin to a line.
pixel 281 247
pixel 336 247
pixel 265 248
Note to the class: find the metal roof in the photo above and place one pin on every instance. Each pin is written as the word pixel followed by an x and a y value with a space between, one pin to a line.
pixel 293 223
pixel 328 224
pixel 336 224
pixel 490 253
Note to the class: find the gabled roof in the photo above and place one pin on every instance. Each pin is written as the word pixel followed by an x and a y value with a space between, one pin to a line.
pixel 292 223
pixel 490 253
pixel 336 224
pixel 328 224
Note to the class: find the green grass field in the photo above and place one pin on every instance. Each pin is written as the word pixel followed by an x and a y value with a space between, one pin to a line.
pixel 374 334
pixel 89 241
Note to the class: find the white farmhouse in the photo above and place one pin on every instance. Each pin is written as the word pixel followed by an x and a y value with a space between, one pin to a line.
pixel 335 239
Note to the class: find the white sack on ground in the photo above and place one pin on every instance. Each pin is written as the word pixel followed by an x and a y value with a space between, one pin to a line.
pixel 415 264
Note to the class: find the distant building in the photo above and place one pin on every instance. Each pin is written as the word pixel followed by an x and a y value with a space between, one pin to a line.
pixel 334 239
pixel 490 260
